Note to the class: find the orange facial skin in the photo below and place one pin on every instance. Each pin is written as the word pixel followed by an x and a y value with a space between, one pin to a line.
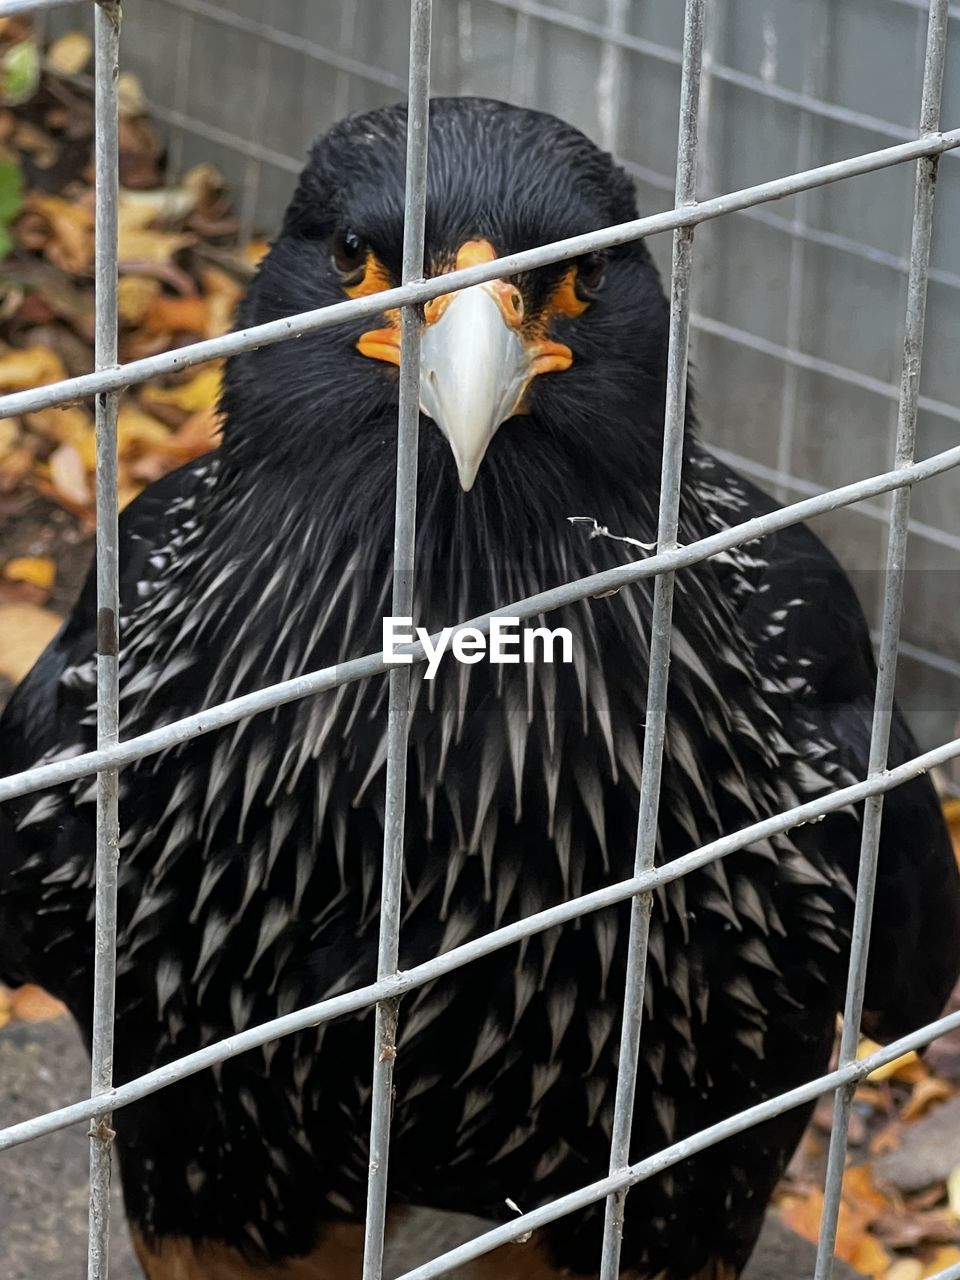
pixel 546 356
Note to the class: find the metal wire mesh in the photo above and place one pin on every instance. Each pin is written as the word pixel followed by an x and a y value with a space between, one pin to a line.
pixel 111 754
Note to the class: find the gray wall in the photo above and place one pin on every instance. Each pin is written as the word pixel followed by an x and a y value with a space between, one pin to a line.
pixel 799 305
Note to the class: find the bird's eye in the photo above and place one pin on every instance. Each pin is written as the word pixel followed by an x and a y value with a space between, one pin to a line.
pixel 591 273
pixel 350 256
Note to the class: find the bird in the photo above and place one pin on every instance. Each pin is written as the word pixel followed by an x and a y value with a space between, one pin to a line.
pixel 250 857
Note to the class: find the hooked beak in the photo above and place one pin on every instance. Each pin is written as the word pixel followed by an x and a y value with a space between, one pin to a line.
pixel 476 361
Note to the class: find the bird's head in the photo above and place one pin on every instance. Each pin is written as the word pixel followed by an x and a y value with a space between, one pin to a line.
pixel 568 358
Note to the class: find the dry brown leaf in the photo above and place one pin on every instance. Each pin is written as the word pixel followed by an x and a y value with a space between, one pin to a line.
pixel 25 631
pixel 9 434
pixel 177 315
pixel 26 367
pixel 68 475
pixel 38 144
pixel 135 245
pixel 4 1006
pixel 201 392
pixel 906 1230
pixel 905 1269
pixel 131 100
pixel 30 1003
pixel 134 294
pixel 137 210
pixel 70 54
pixel 254 251
pixel 40 571
pixel 946 1256
pixel 902 1068
pixel 869 1257
pixel 924 1094
pixel 68 239
pixel 138 431
pixel 223 292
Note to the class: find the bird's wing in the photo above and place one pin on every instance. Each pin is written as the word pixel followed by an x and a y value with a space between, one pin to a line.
pixel 49 704
pixel 915 938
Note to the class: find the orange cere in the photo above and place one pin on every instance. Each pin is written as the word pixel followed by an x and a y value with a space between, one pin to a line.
pixel 546 356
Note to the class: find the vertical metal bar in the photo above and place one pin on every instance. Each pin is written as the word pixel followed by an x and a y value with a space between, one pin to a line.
pixel 254 166
pixel 890 631
pixel 181 90
pixel 415 198
pixel 813 75
pixel 657 686
pixel 107 39
pixel 610 79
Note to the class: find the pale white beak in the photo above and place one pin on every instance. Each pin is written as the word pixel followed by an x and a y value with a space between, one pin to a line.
pixel 473 373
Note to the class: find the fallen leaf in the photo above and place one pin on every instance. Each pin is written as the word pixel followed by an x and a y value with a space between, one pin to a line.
pixel 30 1003
pixel 905 1269
pixel 906 1230
pixel 131 100
pixel 177 315
pixel 68 475
pixel 902 1068
pixel 202 391
pixel 134 294
pixel 19 72
pixel 26 367
pixel 25 631
pixel 11 199
pixel 38 570
pixel 70 54
pixel 953 1192
pixel 9 434
pixel 947 1256
pixel 134 245
pixel 137 210
pixel 138 431
pixel 869 1257
pixel 4 1006
pixel 924 1094
pixel 64 231
pixel 254 251
pixel 222 292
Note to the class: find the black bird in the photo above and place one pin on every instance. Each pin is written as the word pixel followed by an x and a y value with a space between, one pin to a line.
pixel 250 858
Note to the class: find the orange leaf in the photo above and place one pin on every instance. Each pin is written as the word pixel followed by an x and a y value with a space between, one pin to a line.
pixel 177 315
pixel 38 570
pixel 33 1004
pixel 869 1257
pixel 69 243
pixel 4 1006
pixel 27 367
pixel 201 392
pixel 946 1256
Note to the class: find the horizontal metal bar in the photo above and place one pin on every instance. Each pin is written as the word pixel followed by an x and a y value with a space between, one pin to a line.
pixel 596 584
pixel 850 1074
pixel 289 40
pixel 800 230
pixel 953 12
pixel 719 71
pixel 816 364
pixel 478 948
pixel 558 251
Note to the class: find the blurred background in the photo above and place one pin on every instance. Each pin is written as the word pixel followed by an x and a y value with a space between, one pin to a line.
pixel 798 305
